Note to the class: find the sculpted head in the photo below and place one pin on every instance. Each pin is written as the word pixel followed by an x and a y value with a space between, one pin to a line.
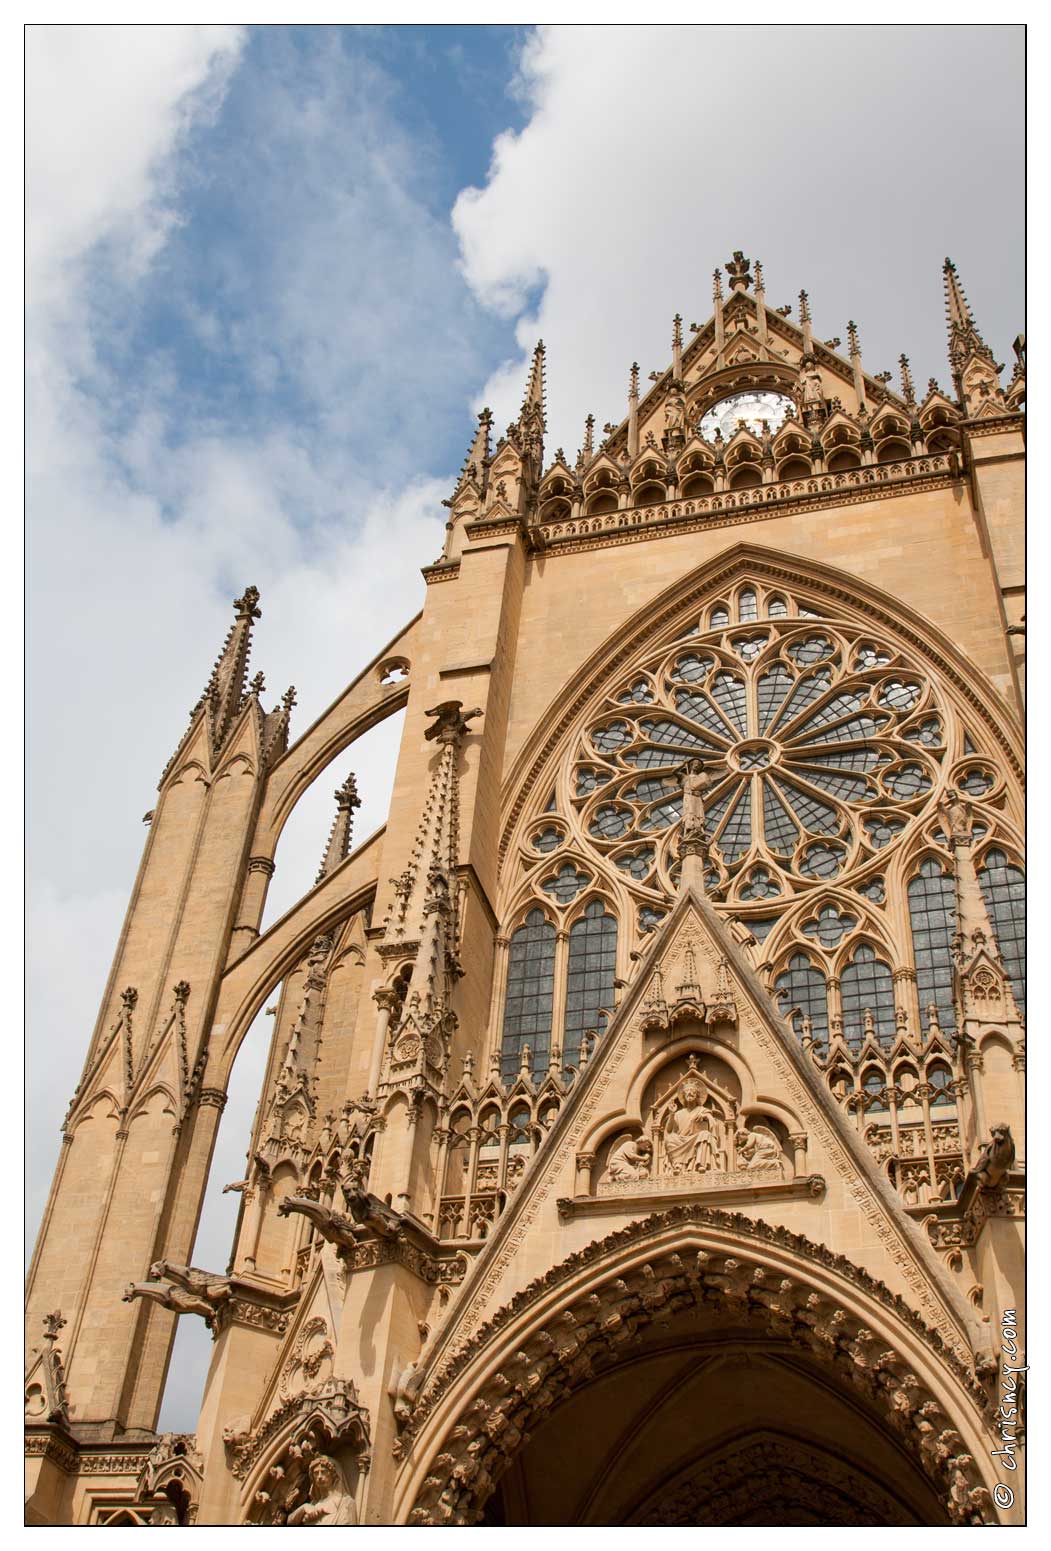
pixel 691 1092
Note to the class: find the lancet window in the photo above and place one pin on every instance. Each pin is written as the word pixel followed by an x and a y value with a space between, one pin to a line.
pixel 1004 889
pixel 932 916
pixel 586 995
pixel 530 992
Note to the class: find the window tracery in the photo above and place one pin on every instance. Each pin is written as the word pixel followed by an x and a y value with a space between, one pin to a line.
pixel 829 749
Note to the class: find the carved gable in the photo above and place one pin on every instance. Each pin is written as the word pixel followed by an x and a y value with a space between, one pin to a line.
pixel 699 1092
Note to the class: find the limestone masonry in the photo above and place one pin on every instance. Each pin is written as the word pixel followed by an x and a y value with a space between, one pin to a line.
pixel 642 1135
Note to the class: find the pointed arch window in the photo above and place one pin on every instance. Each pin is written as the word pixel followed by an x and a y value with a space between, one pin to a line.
pixel 932 916
pixel 530 994
pixel 803 988
pixel 589 982
pixel 1004 889
pixel 867 986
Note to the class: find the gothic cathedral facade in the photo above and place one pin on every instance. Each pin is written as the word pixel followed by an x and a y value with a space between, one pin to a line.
pixel 642 1134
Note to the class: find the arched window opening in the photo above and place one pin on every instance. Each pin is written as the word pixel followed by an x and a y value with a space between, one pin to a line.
pixel 649 494
pixel 940 1079
pixel 802 992
pixel 1004 889
pixel 844 458
pixel 589 984
pixel 697 484
pixel 599 505
pixel 747 606
pixel 873 1083
pixel 893 452
pixel 867 986
pixel 530 995
pixel 932 915
pixel 794 468
pixel 745 477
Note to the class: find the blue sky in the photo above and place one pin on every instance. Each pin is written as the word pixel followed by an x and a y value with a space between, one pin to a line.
pixel 274 274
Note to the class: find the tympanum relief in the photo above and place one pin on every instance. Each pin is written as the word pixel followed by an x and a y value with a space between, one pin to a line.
pixel 694 1137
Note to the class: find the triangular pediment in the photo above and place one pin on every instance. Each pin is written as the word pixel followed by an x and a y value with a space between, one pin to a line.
pixel 699 1092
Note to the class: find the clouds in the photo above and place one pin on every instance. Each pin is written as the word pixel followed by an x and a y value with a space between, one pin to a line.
pixel 838 156
pixel 251 357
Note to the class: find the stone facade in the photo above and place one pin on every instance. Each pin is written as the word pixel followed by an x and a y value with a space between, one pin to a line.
pixel 644 1112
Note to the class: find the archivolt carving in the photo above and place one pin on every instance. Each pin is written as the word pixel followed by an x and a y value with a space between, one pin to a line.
pixel 556 1351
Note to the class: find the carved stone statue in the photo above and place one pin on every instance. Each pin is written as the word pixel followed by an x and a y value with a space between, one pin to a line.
pixel 810 390
pixel 683 1128
pixel 708 1153
pixel 759 1149
pixel 675 417
pixel 696 783
pixel 995 1158
pixel 956 812
pixel 330 1501
pixel 631 1159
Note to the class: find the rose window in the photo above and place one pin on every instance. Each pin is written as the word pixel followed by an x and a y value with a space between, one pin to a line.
pixel 820 743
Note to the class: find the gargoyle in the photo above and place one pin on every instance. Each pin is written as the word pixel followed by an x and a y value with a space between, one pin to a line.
pixel 214 1289
pixel 174 1298
pixel 342 1231
pixel 995 1158
pixel 372 1213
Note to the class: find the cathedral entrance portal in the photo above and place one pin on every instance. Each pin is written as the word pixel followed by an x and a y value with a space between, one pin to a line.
pixel 703 1424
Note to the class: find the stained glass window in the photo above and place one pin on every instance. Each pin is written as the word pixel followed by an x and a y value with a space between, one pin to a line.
pixel 1004 890
pixel 548 839
pixel 940 1079
pixel 804 990
pixel 781 832
pixel 771 690
pixel 589 984
pixel 639 693
pixel 729 696
pixel 747 607
pixel 777 608
pixel 530 993
pixel 805 693
pixel 932 915
pixel 638 863
pixel 867 984
pixel 609 823
pixel 737 836
pixel 567 884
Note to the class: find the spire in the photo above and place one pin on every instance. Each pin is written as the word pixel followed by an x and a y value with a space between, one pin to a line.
pixel 854 350
pixel 676 347
pixel 476 463
pixel 965 342
pixel 760 302
pixel 588 449
pixel 338 847
pixel 225 689
pixel 804 319
pixel 717 302
pixel 908 392
pixel 633 411
pixel 535 401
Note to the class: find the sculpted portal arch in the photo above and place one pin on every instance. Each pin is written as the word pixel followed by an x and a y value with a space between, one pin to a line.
pixel 673 1282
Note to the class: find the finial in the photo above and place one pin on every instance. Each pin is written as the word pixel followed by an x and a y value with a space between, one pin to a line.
pixel 246 605
pixel 676 331
pixel 738 270
pixel 759 287
pixel 852 338
pixel 965 341
pixel 258 685
pixel 908 392
pixel 589 438
pixel 804 307
pixel 633 384
pixel 288 699
pixel 717 286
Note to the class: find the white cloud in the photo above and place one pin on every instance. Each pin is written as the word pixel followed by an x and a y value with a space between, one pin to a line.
pixel 149 510
pixel 652 152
